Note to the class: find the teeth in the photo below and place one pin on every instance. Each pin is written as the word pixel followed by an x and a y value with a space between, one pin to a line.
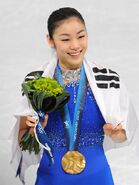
pixel 75 54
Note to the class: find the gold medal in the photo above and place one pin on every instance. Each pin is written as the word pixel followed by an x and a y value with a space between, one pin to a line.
pixel 73 162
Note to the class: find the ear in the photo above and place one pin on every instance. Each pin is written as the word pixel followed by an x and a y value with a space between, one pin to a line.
pixel 50 41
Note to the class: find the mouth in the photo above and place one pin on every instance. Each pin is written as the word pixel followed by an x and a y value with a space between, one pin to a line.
pixel 75 53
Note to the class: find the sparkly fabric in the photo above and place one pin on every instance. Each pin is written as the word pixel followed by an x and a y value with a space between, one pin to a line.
pixel 89 144
pixel 91 132
pixel 70 75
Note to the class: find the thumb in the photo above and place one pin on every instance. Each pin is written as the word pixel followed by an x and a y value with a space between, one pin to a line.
pixel 44 122
pixel 118 127
pixel 107 126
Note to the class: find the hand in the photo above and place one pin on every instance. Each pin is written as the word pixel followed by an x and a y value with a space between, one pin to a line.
pixel 117 134
pixel 31 122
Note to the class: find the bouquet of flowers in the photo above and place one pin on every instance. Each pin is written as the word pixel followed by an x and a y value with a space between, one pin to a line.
pixel 45 95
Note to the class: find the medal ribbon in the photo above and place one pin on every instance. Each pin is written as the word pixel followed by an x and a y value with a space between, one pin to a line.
pixel 72 128
pixel 42 138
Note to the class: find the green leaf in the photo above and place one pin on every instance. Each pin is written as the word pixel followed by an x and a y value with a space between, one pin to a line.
pixel 30 143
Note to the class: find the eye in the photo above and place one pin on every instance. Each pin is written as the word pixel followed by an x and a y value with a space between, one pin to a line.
pixel 82 36
pixel 65 40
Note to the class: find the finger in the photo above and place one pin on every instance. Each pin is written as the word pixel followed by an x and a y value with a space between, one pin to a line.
pixel 31 131
pixel 118 127
pixel 119 135
pixel 107 126
pixel 31 119
pixel 44 122
pixel 46 117
pixel 108 129
pixel 28 123
pixel 107 132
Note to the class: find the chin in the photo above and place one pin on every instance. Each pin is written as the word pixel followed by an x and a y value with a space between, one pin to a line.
pixel 70 63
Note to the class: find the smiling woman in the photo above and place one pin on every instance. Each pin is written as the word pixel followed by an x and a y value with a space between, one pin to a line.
pixel 97 117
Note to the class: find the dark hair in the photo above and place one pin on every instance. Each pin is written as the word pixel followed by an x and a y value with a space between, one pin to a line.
pixel 59 15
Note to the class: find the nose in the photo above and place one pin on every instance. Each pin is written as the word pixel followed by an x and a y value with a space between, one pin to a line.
pixel 74 45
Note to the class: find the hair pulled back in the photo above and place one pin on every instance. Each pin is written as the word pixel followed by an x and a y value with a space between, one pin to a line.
pixel 59 15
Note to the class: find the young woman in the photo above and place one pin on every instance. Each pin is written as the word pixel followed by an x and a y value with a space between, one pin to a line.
pixel 98 115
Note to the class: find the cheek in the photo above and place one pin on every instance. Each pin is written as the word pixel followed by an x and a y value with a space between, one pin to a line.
pixel 63 48
pixel 84 43
pixel 61 51
pixel 84 46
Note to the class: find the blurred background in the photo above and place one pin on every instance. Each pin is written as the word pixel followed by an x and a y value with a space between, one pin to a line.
pixel 113 28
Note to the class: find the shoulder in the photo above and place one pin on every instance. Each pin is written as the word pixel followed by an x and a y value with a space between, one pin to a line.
pixel 33 74
pixel 105 77
pixel 36 73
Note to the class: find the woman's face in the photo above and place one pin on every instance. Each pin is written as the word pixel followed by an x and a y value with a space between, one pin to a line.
pixel 70 41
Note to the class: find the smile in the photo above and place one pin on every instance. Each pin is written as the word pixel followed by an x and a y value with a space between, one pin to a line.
pixel 75 53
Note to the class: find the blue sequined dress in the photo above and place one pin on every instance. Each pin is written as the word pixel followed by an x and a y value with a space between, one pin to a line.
pixel 97 170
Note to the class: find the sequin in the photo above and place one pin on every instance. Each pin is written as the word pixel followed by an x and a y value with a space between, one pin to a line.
pixel 91 131
pixel 70 76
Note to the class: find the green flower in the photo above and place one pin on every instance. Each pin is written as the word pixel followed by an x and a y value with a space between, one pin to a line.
pixel 46 95
pixel 47 85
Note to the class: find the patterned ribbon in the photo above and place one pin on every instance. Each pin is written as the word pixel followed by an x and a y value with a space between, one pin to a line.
pixel 72 128
pixel 42 138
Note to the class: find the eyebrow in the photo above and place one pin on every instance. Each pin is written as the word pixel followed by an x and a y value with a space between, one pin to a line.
pixel 65 34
